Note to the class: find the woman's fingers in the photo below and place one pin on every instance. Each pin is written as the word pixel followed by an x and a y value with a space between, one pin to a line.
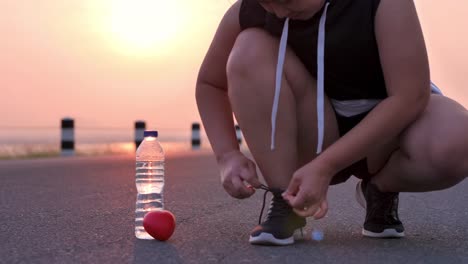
pixel 303 203
pixel 323 210
pixel 307 211
pixel 292 189
pixel 238 175
pixel 240 189
pixel 317 211
pixel 249 175
pixel 236 188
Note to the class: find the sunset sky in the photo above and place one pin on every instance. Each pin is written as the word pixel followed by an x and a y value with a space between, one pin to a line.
pixel 110 62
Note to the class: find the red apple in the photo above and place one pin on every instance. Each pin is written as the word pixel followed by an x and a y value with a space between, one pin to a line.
pixel 159 224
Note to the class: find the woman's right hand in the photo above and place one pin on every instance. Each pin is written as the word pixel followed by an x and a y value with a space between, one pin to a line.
pixel 236 169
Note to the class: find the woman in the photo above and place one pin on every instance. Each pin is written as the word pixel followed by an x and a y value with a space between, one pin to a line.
pixel 324 90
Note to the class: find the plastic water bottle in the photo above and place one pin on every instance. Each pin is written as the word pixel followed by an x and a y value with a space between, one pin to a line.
pixel 149 180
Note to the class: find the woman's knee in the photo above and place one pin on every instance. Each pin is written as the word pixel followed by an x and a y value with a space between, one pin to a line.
pixel 437 140
pixel 251 65
pixel 253 49
pixel 448 145
pixel 253 59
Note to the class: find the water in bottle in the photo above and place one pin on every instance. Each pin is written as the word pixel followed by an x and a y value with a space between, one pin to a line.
pixel 149 180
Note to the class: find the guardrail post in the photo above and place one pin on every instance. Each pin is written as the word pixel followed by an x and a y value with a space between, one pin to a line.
pixel 68 137
pixel 196 140
pixel 140 127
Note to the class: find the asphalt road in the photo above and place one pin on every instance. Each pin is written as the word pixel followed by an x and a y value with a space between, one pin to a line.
pixel 81 210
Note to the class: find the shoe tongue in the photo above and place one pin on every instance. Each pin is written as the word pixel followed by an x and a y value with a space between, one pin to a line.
pixel 278 197
pixel 278 201
pixel 277 192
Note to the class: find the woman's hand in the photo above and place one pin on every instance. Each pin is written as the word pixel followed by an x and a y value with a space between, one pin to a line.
pixel 307 191
pixel 235 170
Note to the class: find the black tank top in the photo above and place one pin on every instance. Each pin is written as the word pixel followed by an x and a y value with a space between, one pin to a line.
pixel 352 62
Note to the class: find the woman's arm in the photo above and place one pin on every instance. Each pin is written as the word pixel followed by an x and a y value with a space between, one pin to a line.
pixel 216 113
pixel 405 65
pixel 211 88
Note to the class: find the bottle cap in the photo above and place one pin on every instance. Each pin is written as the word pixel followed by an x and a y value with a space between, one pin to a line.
pixel 150 133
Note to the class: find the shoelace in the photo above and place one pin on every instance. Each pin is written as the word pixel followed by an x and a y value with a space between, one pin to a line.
pixel 278 193
pixel 275 192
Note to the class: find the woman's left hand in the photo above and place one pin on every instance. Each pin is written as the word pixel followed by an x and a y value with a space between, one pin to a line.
pixel 307 190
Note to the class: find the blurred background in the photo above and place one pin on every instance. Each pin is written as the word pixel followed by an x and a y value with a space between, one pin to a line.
pixel 108 63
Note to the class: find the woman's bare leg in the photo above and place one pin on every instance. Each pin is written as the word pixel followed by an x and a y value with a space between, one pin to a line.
pixel 251 75
pixel 432 153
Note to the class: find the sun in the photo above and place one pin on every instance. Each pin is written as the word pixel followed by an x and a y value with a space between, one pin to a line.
pixel 143 26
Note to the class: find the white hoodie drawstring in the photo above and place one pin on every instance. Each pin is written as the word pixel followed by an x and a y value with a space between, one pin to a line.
pixel 279 75
pixel 320 79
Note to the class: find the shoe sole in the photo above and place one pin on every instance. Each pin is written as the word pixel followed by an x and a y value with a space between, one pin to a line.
pixel 387 233
pixel 268 239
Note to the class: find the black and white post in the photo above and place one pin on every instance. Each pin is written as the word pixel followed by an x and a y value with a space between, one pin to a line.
pixel 238 134
pixel 196 141
pixel 140 127
pixel 68 137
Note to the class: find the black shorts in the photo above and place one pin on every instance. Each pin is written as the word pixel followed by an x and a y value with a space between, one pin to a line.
pixel 359 168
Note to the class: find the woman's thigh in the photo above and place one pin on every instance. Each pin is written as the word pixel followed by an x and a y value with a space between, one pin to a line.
pixel 437 138
pixel 254 57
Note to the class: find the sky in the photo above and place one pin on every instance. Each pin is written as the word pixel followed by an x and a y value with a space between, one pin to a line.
pixel 107 63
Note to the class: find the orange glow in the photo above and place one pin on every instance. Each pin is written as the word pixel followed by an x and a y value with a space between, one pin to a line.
pixel 107 63
pixel 143 26
pixel 127 147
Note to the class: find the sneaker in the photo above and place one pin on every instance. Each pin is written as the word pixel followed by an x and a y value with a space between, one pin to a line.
pixel 382 219
pixel 281 223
